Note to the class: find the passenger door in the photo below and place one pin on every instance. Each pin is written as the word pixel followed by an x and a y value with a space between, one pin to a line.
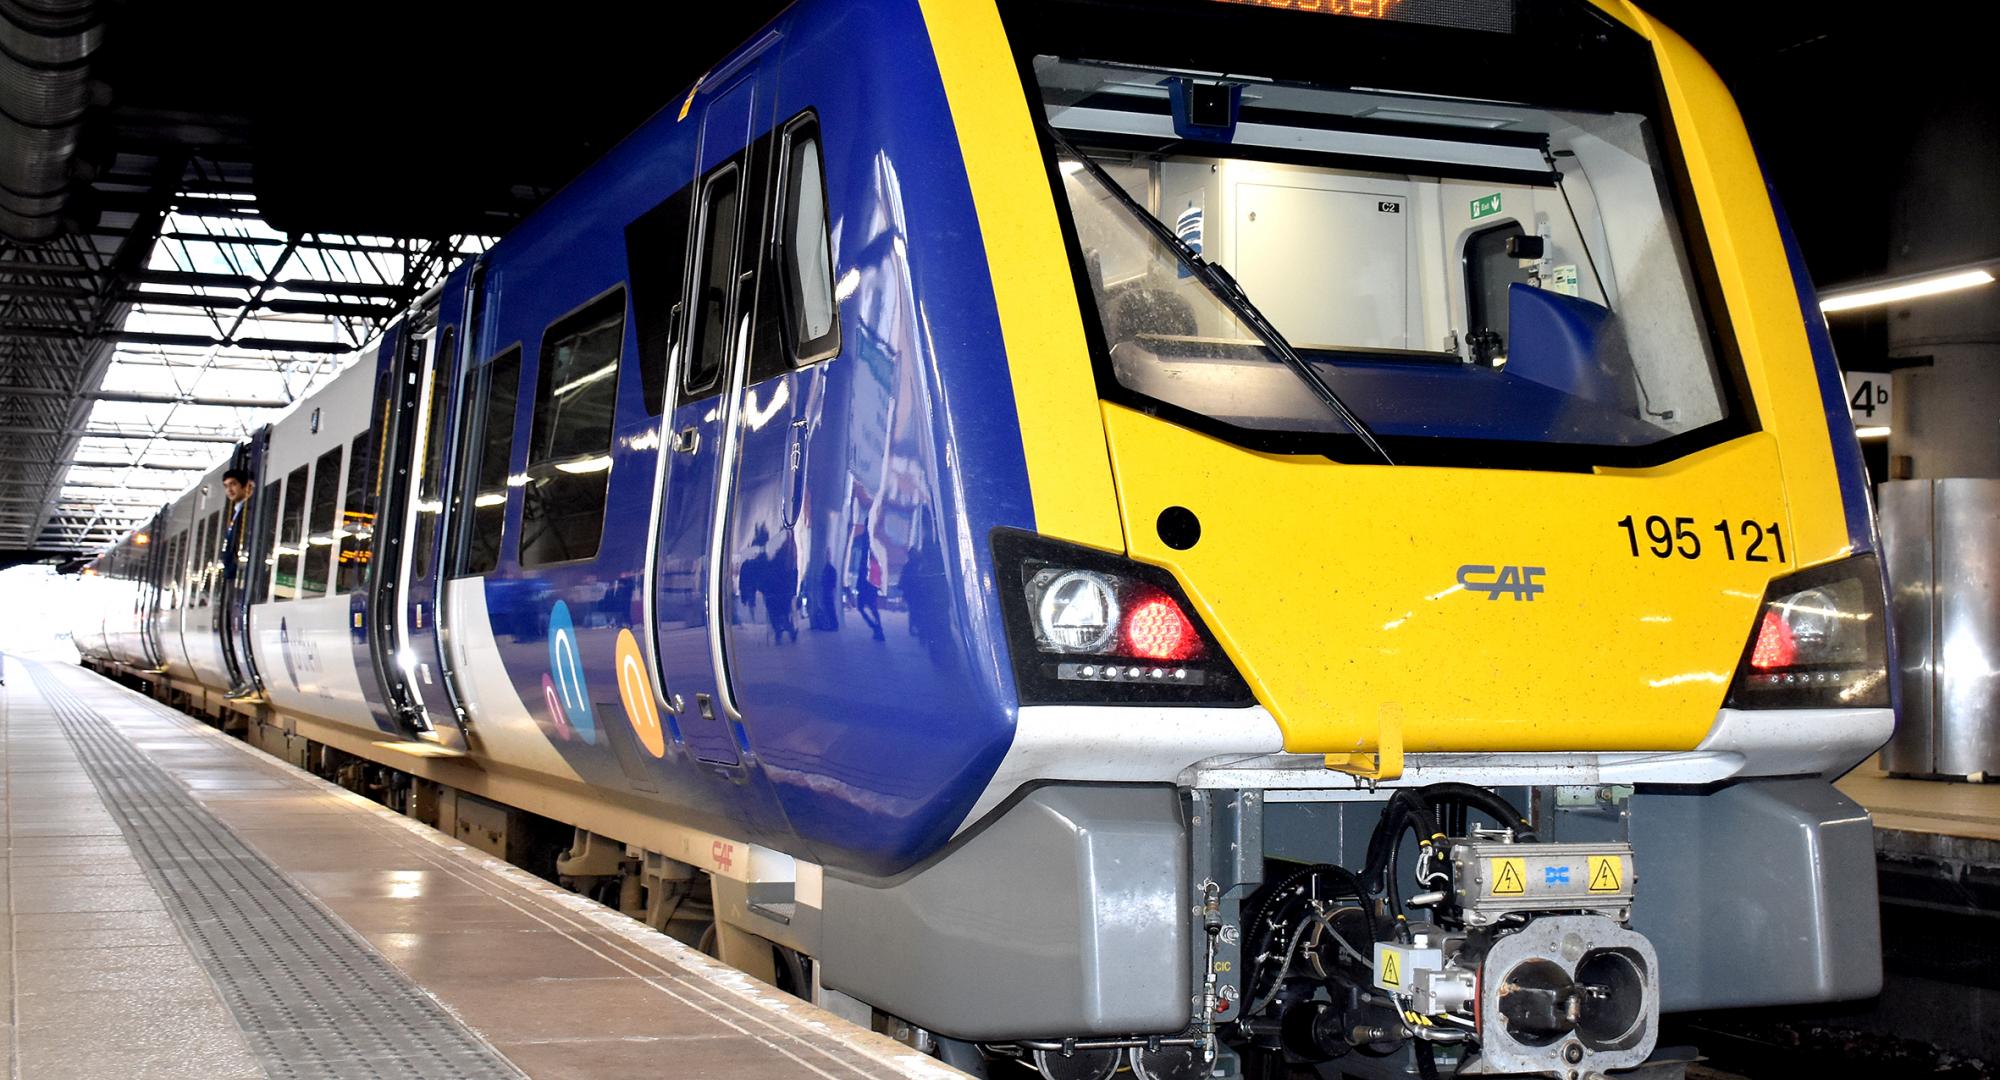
pixel 400 406
pixel 691 581
pixel 428 463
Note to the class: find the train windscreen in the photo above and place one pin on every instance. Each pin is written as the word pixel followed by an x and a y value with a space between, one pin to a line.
pixel 1478 280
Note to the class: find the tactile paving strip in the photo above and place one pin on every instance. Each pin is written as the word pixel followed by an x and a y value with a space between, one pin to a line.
pixel 314 999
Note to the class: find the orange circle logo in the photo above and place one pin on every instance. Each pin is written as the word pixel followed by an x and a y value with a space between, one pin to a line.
pixel 635 689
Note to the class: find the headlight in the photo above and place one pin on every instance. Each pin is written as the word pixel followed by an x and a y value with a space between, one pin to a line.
pixel 1821 641
pixel 1084 626
pixel 1076 611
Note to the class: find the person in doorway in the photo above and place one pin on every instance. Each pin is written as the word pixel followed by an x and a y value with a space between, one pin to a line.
pixel 237 487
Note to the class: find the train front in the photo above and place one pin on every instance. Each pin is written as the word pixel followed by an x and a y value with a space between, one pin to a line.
pixel 1470 424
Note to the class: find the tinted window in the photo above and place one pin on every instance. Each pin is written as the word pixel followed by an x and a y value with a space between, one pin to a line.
pixel 569 453
pixel 211 538
pixel 175 547
pixel 808 251
pixel 492 433
pixel 718 245
pixel 319 542
pixel 357 517
pixel 267 531
pixel 656 258
pixel 200 534
pixel 291 537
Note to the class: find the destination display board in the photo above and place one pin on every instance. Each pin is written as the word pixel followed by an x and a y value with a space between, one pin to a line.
pixel 1493 15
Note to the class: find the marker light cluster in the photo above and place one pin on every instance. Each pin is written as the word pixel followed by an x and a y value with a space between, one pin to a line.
pixel 1086 626
pixel 1109 615
pixel 1820 642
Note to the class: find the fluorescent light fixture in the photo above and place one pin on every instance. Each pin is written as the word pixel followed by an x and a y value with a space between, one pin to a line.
pixel 1890 293
pixel 1872 432
pixel 490 498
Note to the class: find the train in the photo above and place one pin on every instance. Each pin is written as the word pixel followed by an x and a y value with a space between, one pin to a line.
pixel 1212 538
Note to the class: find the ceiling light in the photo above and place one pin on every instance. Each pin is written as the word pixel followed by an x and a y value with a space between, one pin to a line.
pixel 1891 292
pixel 1871 433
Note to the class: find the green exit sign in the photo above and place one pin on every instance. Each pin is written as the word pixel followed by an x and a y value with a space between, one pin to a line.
pixel 1486 207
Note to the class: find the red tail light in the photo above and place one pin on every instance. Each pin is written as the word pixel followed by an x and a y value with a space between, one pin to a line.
pixel 1156 630
pixel 1777 646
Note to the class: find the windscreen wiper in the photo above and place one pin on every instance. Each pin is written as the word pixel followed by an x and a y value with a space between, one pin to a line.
pixel 1219 282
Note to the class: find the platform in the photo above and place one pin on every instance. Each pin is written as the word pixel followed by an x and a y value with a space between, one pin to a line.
pixel 1952 808
pixel 180 904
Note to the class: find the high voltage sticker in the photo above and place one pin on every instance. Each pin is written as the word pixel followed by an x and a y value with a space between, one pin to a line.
pixel 1509 877
pixel 1607 873
pixel 1391 976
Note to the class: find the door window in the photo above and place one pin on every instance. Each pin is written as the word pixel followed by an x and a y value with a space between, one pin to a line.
pixel 492 433
pixel 713 287
pixel 318 556
pixel 357 517
pixel 815 324
pixel 430 481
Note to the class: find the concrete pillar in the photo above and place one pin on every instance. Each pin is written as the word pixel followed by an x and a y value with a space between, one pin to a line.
pixel 1947 416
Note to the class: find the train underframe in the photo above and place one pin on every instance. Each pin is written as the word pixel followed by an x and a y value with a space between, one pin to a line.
pixel 1227 931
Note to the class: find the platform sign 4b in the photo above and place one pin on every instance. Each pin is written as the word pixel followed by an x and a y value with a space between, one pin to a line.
pixel 1868 396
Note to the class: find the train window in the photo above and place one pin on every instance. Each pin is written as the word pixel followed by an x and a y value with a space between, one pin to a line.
pixel 291 537
pixel 318 556
pixel 808 254
pixel 493 432
pixel 266 534
pixel 173 573
pixel 211 566
pixel 569 450
pixel 718 247
pixel 430 500
pixel 200 534
pixel 204 568
pixel 357 518
pixel 656 260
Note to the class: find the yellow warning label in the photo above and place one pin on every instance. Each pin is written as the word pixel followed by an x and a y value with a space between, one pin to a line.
pixel 1391 974
pixel 1509 877
pixel 1607 873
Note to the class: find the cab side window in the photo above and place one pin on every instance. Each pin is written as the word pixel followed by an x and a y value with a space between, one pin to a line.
pixel 569 449
pixel 716 280
pixel 812 310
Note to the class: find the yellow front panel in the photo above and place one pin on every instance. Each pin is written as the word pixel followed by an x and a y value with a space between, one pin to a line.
pixel 1334 588
pixel 1756 281
pixel 1054 390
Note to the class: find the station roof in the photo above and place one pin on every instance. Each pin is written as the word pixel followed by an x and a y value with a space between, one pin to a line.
pixel 202 208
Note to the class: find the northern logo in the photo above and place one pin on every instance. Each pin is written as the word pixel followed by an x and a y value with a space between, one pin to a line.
pixel 1516 581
